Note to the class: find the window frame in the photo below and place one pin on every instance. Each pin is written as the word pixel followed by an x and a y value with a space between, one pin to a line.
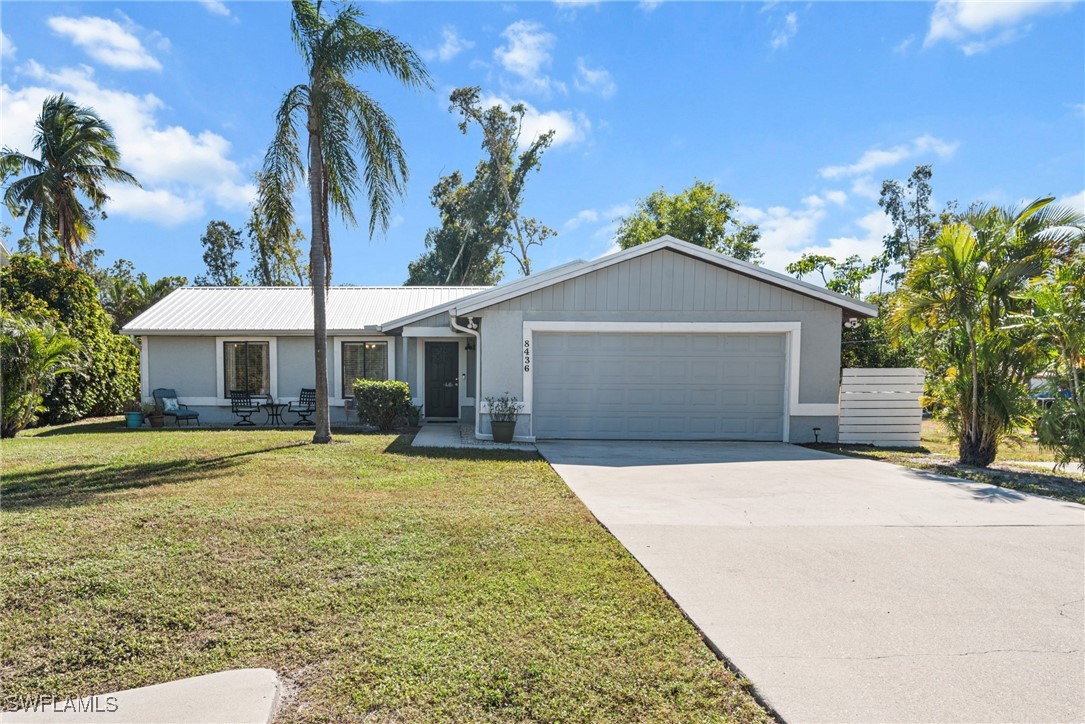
pixel 337 351
pixel 220 364
pixel 343 363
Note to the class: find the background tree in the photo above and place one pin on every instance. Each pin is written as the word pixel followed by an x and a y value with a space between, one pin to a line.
pixel 964 286
pixel 108 371
pixel 277 261
pixel 33 351
pixel 482 218
pixel 465 249
pixel 77 156
pixel 126 299
pixel 342 123
pixel 700 215
pixel 220 243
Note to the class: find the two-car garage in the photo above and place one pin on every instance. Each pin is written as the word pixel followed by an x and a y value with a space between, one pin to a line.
pixel 662 386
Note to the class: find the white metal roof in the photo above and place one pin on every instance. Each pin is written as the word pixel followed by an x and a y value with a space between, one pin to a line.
pixel 496 295
pixel 204 310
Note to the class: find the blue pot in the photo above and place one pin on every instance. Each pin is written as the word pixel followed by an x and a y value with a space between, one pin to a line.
pixel 133 419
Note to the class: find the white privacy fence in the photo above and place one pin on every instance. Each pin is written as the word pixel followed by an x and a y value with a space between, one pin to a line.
pixel 881 406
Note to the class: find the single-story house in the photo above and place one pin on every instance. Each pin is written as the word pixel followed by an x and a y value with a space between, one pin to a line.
pixel 665 341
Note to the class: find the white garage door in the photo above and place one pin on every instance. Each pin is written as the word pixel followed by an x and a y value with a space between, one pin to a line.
pixel 659 386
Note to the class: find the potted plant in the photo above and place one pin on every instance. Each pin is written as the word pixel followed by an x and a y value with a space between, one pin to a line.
pixel 503 413
pixel 154 415
pixel 133 414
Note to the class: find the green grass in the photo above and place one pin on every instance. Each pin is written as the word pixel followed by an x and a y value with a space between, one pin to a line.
pixel 938 453
pixel 377 580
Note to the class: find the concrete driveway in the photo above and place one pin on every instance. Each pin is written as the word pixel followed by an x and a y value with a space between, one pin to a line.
pixel 853 590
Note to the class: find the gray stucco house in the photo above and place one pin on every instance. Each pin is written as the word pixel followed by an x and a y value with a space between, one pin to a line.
pixel 666 340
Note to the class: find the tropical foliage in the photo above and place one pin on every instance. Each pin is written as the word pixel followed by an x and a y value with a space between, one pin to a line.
pixel 32 352
pixel 352 146
pixel 127 298
pixel 480 220
pixel 107 373
pixel 77 155
pixel 277 261
pixel 961 291
pixel 700 215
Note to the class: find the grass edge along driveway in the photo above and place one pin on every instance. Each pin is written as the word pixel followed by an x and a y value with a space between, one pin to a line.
pixel 379 581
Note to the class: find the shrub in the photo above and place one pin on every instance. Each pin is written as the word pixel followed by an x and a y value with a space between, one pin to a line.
pixel 382 403
pixel 1061 429
pixel 32 352
pixel 108 371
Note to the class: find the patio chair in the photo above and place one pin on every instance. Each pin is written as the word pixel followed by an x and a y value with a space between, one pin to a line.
pixel 242 405
pixel 304 407
pixel 166 399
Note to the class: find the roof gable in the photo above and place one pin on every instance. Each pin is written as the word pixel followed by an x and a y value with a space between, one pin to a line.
pixel 497 295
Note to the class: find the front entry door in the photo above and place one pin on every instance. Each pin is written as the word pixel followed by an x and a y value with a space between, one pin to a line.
pixel 442 379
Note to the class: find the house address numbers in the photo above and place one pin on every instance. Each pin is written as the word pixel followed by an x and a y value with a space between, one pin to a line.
pixel 527 355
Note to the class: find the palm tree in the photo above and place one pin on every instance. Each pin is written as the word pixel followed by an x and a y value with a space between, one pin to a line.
pixel 343 124
pixel 32 353
pixel 78 154
pixel 963 287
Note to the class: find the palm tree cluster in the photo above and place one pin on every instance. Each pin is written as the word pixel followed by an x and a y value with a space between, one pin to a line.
pixel 77 156
pixel 968 291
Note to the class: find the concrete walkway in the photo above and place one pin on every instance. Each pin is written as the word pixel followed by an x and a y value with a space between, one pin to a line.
pixel 460 436
pixel 242 696
pixel 854 590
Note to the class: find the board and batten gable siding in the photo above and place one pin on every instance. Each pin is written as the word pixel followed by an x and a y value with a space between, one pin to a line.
pixel 664 281
pixel 667 286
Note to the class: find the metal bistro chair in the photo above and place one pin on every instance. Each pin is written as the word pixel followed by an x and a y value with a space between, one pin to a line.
pixel 304 407
pixel 242 405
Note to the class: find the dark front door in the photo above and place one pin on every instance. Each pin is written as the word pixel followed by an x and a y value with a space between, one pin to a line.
pixel 442 379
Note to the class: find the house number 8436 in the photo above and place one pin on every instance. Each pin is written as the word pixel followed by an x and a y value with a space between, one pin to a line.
pixel 527 355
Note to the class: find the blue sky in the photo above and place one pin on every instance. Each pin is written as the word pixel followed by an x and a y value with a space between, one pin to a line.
pixel 799 111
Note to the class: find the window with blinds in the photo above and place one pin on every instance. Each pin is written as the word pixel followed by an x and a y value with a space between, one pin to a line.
pixel 363 361
pixel 248 368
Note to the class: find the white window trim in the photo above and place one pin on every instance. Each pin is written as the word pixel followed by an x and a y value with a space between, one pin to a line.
pixel 337 362
pixel 793 341
pixel 220 364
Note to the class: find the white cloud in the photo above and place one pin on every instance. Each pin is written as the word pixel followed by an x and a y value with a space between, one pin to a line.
pixel 178 167
pixel 7 48
pixel 106 42
pixel 783 34
pixel 903 46
pixel 866 187
pixel 816 201
pixel 594 80
pixel 877 158
pixel 158 206
pixel 1074 201
pixel 216 7
pixel 570 127
pixel 452 44
pixel 976 26
pixel 649 5
pixel 785 232
pixel 527 55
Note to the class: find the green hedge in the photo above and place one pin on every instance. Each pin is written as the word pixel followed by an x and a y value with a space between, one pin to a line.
pixel 383 403
pixel 109 368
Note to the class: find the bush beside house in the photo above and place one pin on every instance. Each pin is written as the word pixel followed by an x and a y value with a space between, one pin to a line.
pixel 382 403
pixel 107 369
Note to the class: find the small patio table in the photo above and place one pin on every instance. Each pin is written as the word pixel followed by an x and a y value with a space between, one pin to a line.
pixel 274 412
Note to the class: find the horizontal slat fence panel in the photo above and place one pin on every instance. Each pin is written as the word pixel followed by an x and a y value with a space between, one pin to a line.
pixel 881 406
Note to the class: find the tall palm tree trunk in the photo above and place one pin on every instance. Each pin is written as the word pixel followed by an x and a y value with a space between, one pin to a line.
pixel 323 432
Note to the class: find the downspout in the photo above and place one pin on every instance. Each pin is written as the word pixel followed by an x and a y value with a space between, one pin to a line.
pixel 478 369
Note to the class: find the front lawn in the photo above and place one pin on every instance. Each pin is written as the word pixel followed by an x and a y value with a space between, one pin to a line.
pixel 376 579
pixel 1021 465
